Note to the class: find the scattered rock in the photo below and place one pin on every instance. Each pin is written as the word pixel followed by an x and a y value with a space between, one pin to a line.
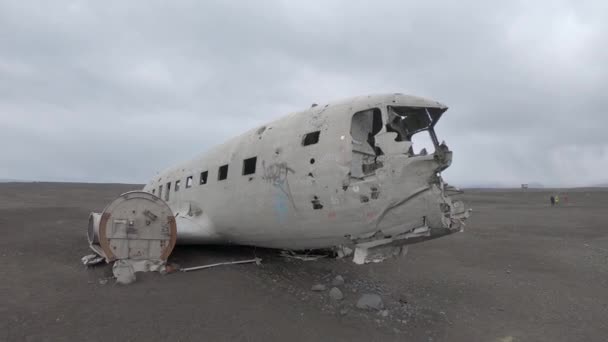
pixel 103 281
pixel 384 313
pixel 336 294
pixel 370 301
pixel 338 281
pixel 343 312
pixel 318 287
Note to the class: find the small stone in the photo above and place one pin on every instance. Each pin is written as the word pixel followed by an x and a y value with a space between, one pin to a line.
pixel 336 294
pixel 384 313
pixel 103 281
pixel 338 281
pixel 343 312
pixel 318 287
pixel 370 301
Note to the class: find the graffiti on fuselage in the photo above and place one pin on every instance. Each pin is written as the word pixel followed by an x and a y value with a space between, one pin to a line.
pixel 277 175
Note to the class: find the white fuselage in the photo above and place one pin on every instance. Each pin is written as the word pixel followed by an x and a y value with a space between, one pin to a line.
pixel 312 190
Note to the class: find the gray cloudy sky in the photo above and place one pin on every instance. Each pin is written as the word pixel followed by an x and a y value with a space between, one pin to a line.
pixel 113 91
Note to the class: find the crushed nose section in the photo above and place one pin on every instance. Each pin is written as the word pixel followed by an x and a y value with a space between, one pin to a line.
pixel 449 217
pixel 407 158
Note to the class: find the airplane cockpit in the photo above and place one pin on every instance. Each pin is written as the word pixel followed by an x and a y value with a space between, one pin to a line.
pixel 401 132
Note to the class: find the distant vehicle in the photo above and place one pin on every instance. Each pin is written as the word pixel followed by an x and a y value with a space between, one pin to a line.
pixel 342 176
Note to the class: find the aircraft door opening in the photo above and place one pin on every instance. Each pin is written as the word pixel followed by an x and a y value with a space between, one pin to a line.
pixel 364 127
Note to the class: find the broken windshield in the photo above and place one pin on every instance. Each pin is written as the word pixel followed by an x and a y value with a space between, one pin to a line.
pixel 407 121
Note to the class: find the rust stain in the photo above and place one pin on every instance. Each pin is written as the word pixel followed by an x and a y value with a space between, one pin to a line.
pixel 103 239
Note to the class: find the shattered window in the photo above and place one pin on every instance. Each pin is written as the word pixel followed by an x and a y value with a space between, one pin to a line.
pixel 407 121
pixel 189 182
pixel 249 165
pixel 311 138
pixel 177 182
pixel 222 172
pixel 203 177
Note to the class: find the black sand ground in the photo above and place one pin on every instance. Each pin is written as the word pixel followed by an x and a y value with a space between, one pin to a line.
pixel 522 271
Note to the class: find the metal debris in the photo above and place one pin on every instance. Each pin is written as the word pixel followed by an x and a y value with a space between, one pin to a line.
pixel 377 251
pixel 124 272
pixel 258 261
pixel 303 257
pixel 91 259
pixel 124 269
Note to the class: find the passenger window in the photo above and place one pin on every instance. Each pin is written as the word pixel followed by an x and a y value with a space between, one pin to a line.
pixel 160 191
pixel 153 191
pixel 311 138
pixel 249 165
pixel 189 182
pixel 204 177
pixel 168 191
pixel 177 182
pixel 222 172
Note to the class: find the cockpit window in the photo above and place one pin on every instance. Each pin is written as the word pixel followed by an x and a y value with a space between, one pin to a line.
pixel 407 121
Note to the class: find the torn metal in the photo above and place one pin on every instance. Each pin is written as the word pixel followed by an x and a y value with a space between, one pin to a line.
pixel 92 259
pixel 124 269
pixel 302 256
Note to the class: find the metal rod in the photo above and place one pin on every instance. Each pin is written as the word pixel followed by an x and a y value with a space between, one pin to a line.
pixel 256 260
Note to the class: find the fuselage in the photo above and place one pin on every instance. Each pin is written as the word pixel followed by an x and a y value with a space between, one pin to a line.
pixel 334 174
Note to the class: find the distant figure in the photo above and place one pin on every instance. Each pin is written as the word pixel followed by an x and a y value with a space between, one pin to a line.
pixel 556 199
pixel 552 199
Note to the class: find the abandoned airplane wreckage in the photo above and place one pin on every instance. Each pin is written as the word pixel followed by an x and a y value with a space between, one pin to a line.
pixel 341 176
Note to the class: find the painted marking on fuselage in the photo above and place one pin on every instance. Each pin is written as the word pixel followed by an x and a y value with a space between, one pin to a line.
pixel 277 175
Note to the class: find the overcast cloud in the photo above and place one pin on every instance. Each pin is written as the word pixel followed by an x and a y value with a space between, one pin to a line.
pixel 114 91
